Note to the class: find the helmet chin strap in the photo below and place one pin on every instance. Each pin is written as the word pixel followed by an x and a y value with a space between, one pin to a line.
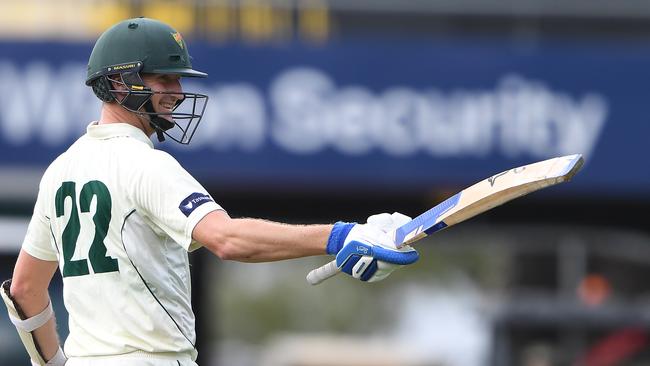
pixel 159 124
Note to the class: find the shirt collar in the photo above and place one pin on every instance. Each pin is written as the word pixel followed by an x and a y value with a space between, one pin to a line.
pixel 112 130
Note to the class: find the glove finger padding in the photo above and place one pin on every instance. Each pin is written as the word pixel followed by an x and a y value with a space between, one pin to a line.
pixel 388 222
pixel 369 268
pixel 373 263
pixel 381 221
pixel 402 256
pixel 361 267
pixel 383 270
pixel 365 268
pixel 372 270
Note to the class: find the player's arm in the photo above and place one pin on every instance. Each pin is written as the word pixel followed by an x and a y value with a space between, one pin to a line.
pixel 255 240
pixel 364 251
pixel 31 301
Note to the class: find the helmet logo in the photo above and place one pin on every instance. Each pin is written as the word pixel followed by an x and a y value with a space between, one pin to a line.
pixel 178 38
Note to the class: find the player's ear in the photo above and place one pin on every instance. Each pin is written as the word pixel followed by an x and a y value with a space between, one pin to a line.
pixel 117 85
pixel 116 82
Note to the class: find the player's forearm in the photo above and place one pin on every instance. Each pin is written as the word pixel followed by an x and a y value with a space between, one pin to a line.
pixel 32 303
pixel 254 240
pixel 47 338
pixel 29 299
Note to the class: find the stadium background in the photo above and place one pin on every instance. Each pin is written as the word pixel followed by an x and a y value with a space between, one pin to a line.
pixel 335 110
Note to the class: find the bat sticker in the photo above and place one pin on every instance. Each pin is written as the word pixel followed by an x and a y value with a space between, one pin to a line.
pixel 493 178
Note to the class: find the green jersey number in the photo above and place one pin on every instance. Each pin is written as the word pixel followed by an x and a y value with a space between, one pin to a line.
pixel 100 262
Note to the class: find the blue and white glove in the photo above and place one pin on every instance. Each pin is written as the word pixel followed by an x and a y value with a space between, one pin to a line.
pixel 366 251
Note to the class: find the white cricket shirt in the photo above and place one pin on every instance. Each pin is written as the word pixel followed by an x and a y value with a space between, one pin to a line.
pixel 118 216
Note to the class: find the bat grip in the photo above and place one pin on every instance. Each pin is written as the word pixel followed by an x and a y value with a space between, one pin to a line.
pixel 322 273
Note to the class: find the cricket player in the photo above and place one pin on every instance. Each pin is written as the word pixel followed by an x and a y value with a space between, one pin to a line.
pixel 118 218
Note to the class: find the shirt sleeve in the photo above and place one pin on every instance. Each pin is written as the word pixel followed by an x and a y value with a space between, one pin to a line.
pixel 38 240
pixel 171 198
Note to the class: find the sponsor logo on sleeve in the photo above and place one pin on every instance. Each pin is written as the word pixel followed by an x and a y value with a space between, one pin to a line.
pixel 191 202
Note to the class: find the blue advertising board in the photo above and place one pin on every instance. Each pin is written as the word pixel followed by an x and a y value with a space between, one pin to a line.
pixel 367 113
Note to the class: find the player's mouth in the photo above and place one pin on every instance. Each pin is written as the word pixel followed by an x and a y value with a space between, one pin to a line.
pixel 166 107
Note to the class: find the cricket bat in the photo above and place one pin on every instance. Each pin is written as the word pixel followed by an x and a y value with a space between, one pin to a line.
pixel 482 196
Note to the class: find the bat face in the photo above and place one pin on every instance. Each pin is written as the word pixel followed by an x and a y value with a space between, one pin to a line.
pixel 489 193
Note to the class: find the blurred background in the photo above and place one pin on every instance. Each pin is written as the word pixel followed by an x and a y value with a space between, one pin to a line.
pixel 335 110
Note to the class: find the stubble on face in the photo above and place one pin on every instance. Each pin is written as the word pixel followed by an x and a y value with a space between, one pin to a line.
pixel 164 103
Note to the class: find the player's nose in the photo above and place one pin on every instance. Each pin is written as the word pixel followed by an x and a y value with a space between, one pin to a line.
pixel 176 89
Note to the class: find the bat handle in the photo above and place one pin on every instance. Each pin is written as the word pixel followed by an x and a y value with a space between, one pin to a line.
pixel 322 273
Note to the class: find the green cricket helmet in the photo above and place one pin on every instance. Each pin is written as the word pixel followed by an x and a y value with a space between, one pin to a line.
pixel 146 46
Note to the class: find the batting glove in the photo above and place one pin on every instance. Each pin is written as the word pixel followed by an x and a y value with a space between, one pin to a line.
pixel 366 251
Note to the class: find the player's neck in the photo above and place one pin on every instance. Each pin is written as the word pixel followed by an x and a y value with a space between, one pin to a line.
pixel 114 113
